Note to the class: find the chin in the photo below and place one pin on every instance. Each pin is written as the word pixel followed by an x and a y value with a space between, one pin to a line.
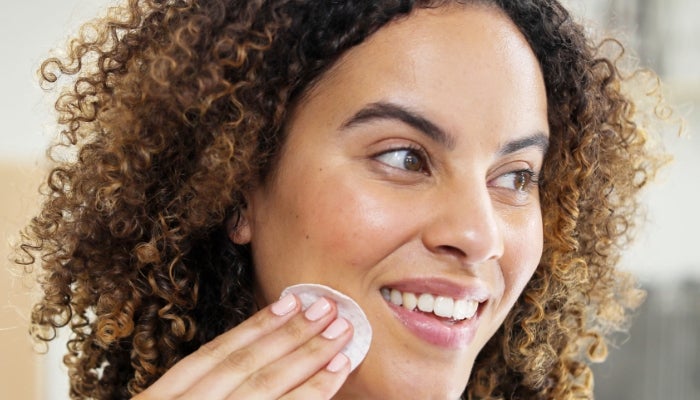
pixel 396 385
pixel 428 392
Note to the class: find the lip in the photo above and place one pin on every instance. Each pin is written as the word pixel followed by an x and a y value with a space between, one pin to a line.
pixel 431 328
pixel 442 287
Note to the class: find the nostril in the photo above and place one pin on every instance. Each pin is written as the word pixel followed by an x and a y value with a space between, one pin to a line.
pixel 451 251
pixel 471 234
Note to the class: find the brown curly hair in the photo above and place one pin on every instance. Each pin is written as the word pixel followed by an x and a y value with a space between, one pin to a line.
pixel 177 108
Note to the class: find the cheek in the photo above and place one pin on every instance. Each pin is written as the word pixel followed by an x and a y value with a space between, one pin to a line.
pixel 357 224
pixel 326 228
pixel 524 241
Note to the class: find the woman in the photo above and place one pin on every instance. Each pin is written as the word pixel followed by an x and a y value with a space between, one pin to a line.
pixel 476 153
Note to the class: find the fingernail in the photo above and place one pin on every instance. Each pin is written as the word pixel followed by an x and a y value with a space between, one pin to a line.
pixel 337 363
pixel 317 310
pixel 284 306
pixel 335 329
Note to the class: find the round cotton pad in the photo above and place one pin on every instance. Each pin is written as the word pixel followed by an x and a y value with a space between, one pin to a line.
pixel 357 348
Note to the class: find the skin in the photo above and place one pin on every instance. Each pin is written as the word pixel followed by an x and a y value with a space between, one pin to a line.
pixel 337 214
pixel 342 209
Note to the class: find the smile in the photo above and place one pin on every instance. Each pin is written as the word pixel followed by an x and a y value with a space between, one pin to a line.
pixel 442 306
pixel 436 311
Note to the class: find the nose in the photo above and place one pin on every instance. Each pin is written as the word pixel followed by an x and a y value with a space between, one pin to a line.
pixel 465 225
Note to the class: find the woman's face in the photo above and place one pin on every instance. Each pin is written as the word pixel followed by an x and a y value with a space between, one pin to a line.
pixel 410 167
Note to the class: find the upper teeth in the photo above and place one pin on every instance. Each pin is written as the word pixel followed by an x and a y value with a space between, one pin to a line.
pixel 447 307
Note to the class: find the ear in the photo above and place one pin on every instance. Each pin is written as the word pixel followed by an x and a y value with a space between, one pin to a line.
pixel 238 227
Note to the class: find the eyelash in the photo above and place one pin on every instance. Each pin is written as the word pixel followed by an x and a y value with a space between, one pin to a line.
pixel 532 178
pixel 416 151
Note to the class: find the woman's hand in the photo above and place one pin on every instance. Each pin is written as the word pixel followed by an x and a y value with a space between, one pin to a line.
pixel 279 352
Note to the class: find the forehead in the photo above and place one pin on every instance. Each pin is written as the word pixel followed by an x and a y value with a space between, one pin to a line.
pixel 484 33
pixel 451 62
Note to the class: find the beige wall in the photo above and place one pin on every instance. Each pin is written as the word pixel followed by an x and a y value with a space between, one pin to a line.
pixel 19 363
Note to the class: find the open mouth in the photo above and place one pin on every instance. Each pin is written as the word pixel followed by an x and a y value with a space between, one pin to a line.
pixel 447 308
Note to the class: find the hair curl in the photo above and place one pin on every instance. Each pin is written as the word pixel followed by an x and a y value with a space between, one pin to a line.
pixel 177 108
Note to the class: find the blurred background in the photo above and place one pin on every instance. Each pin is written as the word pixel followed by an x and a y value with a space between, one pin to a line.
pixel 658 359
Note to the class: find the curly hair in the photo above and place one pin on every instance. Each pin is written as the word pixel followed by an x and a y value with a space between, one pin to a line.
pixel 177 108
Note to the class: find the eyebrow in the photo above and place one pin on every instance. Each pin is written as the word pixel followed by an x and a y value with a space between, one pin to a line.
pixel 392 111
pixel 538 140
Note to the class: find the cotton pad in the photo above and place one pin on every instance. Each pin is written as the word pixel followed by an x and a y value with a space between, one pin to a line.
pixel 357 348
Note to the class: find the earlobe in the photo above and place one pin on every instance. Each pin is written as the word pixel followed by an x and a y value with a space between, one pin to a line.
pixel 238 228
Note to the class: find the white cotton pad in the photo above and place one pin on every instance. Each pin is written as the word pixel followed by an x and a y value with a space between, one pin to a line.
pixel 357 348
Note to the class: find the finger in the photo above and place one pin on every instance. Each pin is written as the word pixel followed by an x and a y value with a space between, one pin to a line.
pixel 299 366
pixel 237 367
pixel 325 383
pixel 194 367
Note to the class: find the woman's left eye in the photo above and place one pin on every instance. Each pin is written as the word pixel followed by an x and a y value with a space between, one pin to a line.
pixel 407 159
pixel 520 181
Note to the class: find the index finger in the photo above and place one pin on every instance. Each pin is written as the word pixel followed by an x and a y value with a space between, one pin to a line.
pixel 193 367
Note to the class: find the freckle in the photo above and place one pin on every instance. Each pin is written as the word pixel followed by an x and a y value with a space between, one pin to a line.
pixel 307 236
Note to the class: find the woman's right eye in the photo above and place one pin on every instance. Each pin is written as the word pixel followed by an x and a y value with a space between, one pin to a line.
pixel 405 158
